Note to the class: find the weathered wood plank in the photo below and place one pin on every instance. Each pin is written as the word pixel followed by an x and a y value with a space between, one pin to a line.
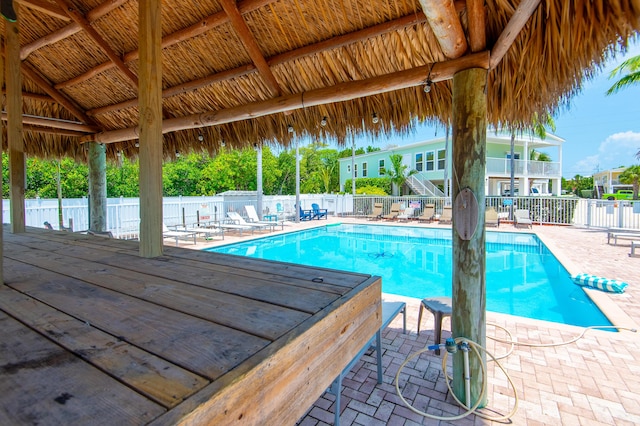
pixel 154 377
pixel 291 374
pixel 205 348
pixel 58 388
pixel 260 319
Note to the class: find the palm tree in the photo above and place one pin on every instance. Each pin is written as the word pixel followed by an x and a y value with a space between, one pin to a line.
pixel 398 171
pixel 631 175
pixel 632 67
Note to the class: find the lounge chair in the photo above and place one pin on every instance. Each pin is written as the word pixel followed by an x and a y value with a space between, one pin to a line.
pixel 406 215
pixel 306 214
pixel 205 230
pixel 253 218
pixel 318 213
pixel 376 213
pixel 491 217
pixel 178 235
pixel 446 217
pixel 428 213
pixel 522 218
pixel 393 212
pixel 239 220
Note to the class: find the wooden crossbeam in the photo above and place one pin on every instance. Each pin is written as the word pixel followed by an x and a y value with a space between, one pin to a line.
pixel 512 30
pixel 80 19
pixel 69 30
pixel 44 7
pixel 337 93
pixel 55 123
pixel 51 131
pixel 445 23
pixel 477 23
pixel 250 44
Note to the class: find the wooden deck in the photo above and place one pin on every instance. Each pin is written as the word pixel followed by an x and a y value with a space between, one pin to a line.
pixel 89 330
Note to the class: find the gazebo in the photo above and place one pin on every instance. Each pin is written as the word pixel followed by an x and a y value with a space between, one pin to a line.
pixel 95 80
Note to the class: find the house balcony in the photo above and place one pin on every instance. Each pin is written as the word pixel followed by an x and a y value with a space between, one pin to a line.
pixel 499 167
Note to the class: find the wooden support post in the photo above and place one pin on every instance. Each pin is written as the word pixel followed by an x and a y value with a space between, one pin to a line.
pixel 17 165
pixel 469 158
pixel 150 94
pixel 97 187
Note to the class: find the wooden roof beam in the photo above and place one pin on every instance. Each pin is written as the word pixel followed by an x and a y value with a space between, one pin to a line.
pixel 36 96
pixel 44 7
pixel 56 95
pixel 49 131
pixel 445 23
pixel 86 26
pixel 512 30
pixel 251 45
pixel 332 43
pixel 55 123
pixel 93 15
pixel 477 25
pixel 338 93
pixel 194 30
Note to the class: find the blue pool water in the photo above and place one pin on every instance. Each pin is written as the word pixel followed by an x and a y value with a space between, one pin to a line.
pixel 523 276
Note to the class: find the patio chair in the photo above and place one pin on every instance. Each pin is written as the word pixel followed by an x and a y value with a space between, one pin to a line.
pixel 253 218
pixel 393 212
pixel 446 217
pixel 239 220
pixel 178 235
pixel 376 214
pixel 491 217
pixel 406 215
pixel 522 218
pixel 306 214
pixel 318 213
pixel 428 213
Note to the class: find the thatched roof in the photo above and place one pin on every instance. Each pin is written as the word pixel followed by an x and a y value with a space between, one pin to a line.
pixel 293 49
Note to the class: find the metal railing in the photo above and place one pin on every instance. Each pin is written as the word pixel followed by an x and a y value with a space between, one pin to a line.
pixel 423 186
pixel 502 166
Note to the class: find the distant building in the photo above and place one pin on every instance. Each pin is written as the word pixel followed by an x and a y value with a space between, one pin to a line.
pixel 431 161
pixel 608 181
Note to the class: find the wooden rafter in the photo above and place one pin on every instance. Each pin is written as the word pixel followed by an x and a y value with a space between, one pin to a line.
pixel 59 97
pixel 71 29
pixel 337 93
pixel 51 131
pixel 44 7
pixel 194 30
pixel 250 44
pixel 36 96
pixel 333 43
pixel 55 123
pixel 477 25
pixel 445 23
pixel 80 19
pixel 512 30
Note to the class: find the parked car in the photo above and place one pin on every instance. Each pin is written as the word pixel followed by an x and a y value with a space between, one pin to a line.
pixel 621 194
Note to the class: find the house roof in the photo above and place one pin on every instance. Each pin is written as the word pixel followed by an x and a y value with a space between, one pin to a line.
pixel 241 72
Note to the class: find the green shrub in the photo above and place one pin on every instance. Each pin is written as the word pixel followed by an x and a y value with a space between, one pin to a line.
pixel 370 190
pixel 383 183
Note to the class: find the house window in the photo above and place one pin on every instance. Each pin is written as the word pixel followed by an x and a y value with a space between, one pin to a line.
pixel 441 158
pixel 516 155
pixel 348 168
pixel 381 167
pixel 364 169
pixel 355 170
pixel 419 161
pixel 429 166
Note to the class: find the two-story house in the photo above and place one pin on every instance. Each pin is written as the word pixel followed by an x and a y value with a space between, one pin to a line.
pixel 432 160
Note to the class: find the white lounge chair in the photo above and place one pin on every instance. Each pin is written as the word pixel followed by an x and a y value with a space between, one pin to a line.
pixel 406 215
pixel 522 218
pixel 239 220
pixel 253 218
pixel 178 235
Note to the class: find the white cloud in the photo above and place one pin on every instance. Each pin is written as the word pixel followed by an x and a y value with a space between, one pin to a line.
pixel 618 149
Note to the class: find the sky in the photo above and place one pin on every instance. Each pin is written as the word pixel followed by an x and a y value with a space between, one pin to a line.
pixel 600 132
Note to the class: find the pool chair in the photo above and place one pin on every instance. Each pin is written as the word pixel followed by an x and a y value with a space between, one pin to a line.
pixel 239 220
pixel 318 213
pixel 178 235
pixel 446 217
pixel 428 213
pixel 406 215
pixel 376 213
pixel 253 218
pixel 491 217
pixel 393 212
pixel 306 214
pixel 522 218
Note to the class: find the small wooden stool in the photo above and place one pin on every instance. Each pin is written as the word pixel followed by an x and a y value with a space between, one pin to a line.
pixel 440 307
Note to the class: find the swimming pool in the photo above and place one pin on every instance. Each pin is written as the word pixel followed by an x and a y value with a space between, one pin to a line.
pixel 522 276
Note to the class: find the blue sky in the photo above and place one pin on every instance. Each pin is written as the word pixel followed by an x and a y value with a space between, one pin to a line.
pixel 600 132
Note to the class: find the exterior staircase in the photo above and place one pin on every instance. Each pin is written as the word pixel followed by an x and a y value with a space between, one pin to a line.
pixel 422 186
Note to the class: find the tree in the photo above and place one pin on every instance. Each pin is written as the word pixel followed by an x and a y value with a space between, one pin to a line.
pixel 632 69
pixel 398 171
pixel 631 175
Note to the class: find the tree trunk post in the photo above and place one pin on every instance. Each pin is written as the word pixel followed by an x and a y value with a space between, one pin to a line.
pixel 468 289
pixel 97 187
